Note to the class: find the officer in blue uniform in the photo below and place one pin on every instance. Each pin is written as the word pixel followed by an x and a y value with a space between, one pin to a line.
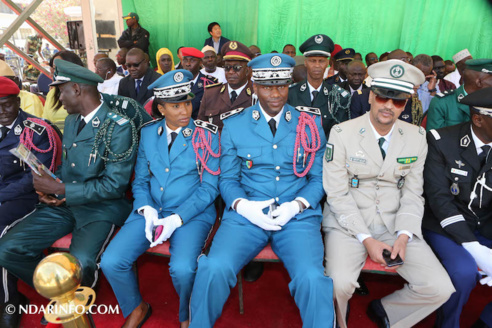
pixel 17 194
pixel 99 150
pixel 271 182
pixel 458 218
pixel 171 191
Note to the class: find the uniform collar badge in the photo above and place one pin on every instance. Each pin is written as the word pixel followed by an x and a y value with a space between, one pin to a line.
pixel 288 116
pixel 187 132
pixel 460 96
pixel 248 91
pixel 96 122
pixel 303 87
pixel 325 91
pixel 222 89
pixel 18 130
pixel 459 163
pixel 465 141
pixel 361 131
pixel 200 84
pixel 160 130
pixel 401 131
pixel 256 115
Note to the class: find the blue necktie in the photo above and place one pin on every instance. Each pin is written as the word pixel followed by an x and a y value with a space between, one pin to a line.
pixel 137 89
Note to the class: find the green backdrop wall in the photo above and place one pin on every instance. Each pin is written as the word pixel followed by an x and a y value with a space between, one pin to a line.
pixel 441 27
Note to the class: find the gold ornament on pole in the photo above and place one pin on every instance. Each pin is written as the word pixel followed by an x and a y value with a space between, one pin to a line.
pixel 58 277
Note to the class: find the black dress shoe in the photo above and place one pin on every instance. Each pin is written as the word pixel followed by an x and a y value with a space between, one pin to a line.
pixel 362 290
pixel 376 313
pixel 11 316
pixel 479 324
pixel 252 271
pixel 147 315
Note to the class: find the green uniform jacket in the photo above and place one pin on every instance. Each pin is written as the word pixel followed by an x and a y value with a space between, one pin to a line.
pixel 446 110
pixel 96 191
pixel 331 113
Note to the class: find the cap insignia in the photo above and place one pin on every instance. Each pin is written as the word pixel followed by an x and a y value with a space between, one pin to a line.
pixel 318 39
pixel 397 71
pixel 276 61
pixel 178 77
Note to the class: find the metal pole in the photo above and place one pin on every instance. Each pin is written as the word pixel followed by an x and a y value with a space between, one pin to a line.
pixel 16 9
pixel 27 58
pixel 19 21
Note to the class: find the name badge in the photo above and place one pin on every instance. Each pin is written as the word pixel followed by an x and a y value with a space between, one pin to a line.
pixel 459 172
pixel 358 160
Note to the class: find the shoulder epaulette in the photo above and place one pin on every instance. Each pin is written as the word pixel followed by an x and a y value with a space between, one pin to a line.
pixel 230 113
pixel 38 128
pixel 207 126
pixel 421 130
pixel 343 92
pixel 445 93
pixel 293 85
pixel 152 122
pixel 337 128
pixel 212 85
pixel 120 120
pixel 436 134
pixel 211 78
pixel 310 110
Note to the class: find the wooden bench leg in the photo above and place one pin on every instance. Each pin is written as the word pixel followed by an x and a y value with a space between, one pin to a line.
pixel 240 292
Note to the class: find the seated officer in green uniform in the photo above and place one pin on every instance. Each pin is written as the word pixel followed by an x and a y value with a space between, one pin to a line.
pixel 446 109
pixel 332 100
pixel 99 149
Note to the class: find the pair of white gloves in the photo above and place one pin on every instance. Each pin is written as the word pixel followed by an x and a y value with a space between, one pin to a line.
pixel 253 211
pixel 483 257
pixel 170 224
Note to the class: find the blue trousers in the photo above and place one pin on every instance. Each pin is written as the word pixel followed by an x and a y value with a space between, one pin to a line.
pixel 299 245
pixel 462 270
pixel 130 242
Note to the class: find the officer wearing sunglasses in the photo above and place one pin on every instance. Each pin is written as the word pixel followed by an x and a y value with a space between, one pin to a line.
pixel 222 100
pixel 373 178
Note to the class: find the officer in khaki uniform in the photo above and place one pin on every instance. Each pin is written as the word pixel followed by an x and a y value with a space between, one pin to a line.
pixel 99 149
pixel 332 100
pixel 373 177
pixel 222 100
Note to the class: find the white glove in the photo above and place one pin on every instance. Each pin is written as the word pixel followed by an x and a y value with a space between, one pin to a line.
pixel 150 214
pixel 253 211
pixel 486 281
pixel 285 212
pixel 169 223
pixel 483 257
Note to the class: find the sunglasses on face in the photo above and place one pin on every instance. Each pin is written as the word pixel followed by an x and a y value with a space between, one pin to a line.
pixel 397 102
pixel 236 68
pixel 130 65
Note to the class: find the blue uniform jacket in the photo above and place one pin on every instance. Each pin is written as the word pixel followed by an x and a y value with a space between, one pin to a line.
pixel 16 178
pixel 248 142
pixel 169 182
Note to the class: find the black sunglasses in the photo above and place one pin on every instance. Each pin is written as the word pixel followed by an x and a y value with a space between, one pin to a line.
pixel 236 68
pixel 134 65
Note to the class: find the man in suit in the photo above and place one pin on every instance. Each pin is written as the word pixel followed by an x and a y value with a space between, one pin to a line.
pixel 223 100
pixel 356 73
pixel 332 101
pixel 186 217
pixel 458 218
pixel 270 197
pixel 446 108
pixel 373 177
pixel 215 40
pixel 135 36
pixel 341 60
pixel 140 77
pixel 17 194
pixel 192 61
pixel 99 149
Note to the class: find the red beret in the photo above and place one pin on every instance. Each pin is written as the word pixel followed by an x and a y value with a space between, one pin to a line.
pixel 336 50
pixel 191 52
pixel 8 87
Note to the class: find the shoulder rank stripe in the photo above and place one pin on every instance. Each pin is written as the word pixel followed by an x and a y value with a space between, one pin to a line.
pixel 212 85
pixel 152 122
pixel 310 110
pixel 230 113
pixel 38 128
pixel 118 119
pixel 207 126
pixel 436 134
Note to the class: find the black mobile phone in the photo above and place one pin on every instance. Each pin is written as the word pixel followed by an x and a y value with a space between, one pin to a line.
pixel 389 261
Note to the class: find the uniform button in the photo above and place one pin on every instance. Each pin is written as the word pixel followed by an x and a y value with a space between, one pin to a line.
pixel 377 201
pixel 377 187
pixel 167 170
pixel 74 144
pixel 277 178
pixel 73 164
pixel 274 146
pixel 160 209
pixel 162 189
pixel 249 155
pixel 15 161
pixel 276 199
pixel 277 168
pixel 74 181
pixel 381 175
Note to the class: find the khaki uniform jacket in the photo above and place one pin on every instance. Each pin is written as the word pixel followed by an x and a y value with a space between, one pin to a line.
pixel 356 153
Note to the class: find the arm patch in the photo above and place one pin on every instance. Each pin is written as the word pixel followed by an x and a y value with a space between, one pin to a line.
pixel 329 152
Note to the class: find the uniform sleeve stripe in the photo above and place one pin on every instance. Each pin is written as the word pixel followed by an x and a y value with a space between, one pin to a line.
pixel 451 220
pixel 436 134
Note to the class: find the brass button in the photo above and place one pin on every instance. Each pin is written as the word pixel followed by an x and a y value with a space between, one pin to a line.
pixel 277 168
pixel 73 164
pixel 277 178
pixel 162 189
pixel 74 144
pixel 274 146
pixel 167 169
